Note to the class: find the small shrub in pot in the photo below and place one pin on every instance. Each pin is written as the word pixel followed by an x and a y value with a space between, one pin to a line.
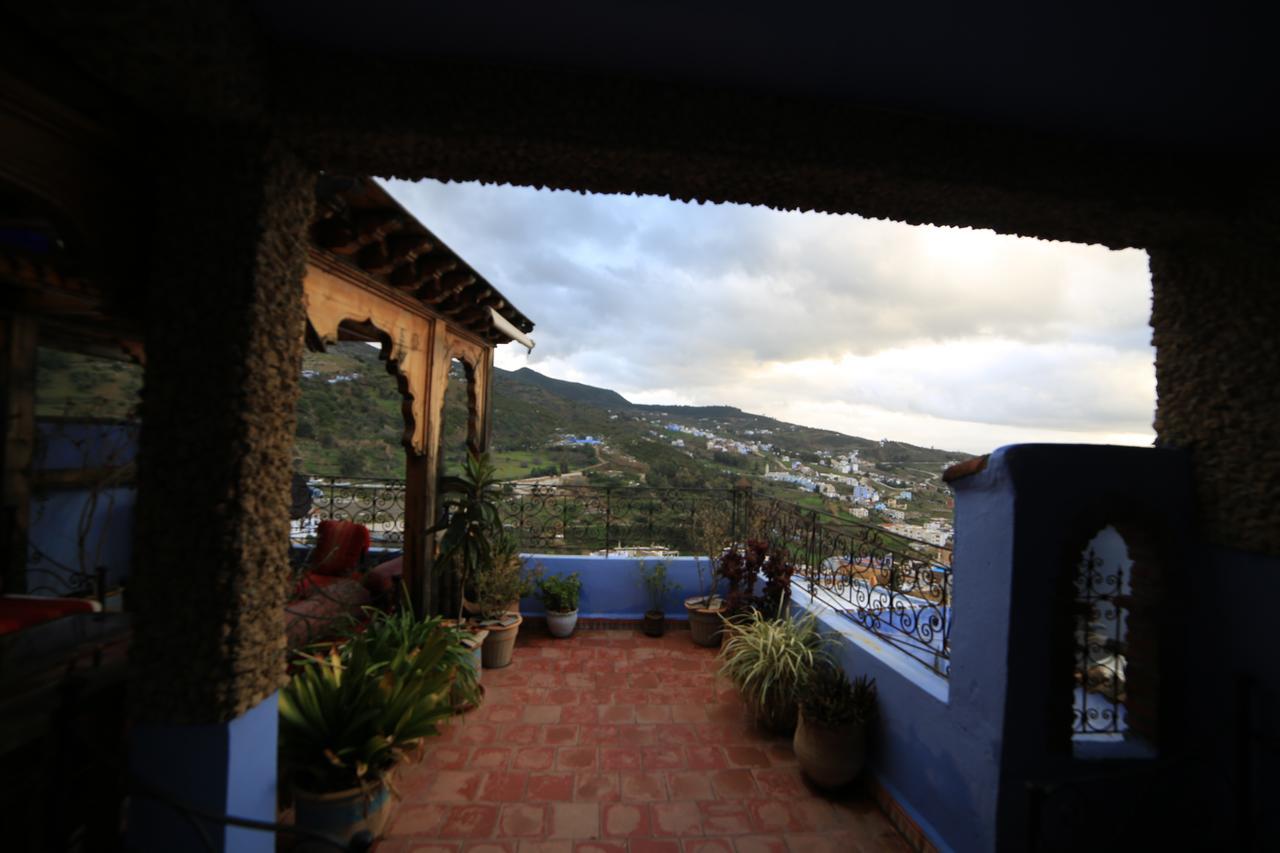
pixel 559 594
pixel 657 587
pixel 830 739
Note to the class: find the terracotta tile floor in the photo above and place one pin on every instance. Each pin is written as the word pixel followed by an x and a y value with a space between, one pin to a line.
pixel 609 742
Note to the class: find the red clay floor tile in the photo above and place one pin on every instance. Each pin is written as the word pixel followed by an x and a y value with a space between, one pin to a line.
pixel 522 820
pixel 642 787
pixel 575 820
pixel 550 786
pixel 473 821
pixel 679 819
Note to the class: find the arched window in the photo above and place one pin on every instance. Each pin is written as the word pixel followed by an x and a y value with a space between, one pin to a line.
pixel 1107 710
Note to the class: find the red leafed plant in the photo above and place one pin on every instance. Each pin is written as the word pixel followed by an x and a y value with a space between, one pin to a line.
pixel 742 568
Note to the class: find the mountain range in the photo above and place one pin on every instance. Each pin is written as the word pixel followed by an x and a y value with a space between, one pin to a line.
pixel 349 423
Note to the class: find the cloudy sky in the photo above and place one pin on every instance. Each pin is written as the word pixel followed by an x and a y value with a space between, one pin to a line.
pixel 943 337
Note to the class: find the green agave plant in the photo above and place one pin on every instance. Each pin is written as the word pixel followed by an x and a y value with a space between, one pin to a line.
pixel 770 661
pixel 349 717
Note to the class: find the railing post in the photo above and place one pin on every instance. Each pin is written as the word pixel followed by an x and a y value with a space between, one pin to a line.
pixel 608 517
pixel 564 520
pixel 523 535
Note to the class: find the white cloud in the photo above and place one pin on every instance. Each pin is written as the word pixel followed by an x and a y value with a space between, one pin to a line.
pixel 946 337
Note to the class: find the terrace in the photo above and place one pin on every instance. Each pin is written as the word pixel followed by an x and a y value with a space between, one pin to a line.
pixel 611 741
pixel 159 191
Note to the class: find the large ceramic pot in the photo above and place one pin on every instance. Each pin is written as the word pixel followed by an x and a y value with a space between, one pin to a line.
pixel 705 623
pixel 561 624
pixel 500 645
pixel 830 757
pixel 341 814
pixel 475 642
pixel 655 623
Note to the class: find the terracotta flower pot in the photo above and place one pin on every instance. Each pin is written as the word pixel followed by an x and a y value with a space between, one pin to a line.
pixel 655 623
pixel 830 757
pixel 341 814
pixel 500 645
pixel 705 623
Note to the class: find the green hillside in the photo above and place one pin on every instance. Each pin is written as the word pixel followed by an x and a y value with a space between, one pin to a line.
pixel 351 423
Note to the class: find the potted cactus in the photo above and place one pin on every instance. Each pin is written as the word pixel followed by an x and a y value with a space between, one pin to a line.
pixel 559 594
pixel 831 734
pixel 657 587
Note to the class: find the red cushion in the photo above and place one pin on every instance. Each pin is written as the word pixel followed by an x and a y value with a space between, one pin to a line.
pixel 340 546
pixel 17 613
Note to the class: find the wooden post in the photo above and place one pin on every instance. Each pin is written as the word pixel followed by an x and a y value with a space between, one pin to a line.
pixel 417 544
pixel 17 399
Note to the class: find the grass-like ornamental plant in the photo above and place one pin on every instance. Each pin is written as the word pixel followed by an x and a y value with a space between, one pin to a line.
pixel 388 633
pixel 347 718
pixel 770 661
pixel 559 593
pixel 830 700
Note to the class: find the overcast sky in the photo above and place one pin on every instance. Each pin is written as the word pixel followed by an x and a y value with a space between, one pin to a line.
pixel 943 337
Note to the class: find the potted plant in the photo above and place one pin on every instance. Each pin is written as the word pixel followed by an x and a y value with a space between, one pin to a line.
pixel 559 594
pixel 389 632
pixel 473 525
pixel 348 718
pixel 770 662
pixel 657 587
pixel 831 734
pixel 503 581
pixel 705 610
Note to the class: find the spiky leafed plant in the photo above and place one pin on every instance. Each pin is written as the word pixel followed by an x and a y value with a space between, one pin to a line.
pixel 346 719
pixel 473 523
pixel 387 633
pixel 831 701
pixel 770 661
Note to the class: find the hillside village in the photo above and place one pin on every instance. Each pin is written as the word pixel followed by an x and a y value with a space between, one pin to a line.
pixel 552 432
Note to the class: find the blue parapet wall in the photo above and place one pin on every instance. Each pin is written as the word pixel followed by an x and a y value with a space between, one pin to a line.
pixel 611 587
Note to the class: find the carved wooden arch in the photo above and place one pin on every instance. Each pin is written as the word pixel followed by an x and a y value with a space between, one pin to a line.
pixel 475 360
pixel 332 299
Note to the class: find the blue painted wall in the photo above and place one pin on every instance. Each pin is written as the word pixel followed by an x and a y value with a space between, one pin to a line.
pixel 61 518
pixel 224 769
pixel 611 585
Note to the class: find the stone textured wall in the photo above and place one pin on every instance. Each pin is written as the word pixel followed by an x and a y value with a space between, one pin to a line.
pixel 224 351
pixel 1215 315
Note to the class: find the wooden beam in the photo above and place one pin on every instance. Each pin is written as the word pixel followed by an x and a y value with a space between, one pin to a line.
pixel 375 258
pixel 375 224
pixel 336 235
pixel 83 478
pixel 436 263
pixel 450 285
pixel 407 246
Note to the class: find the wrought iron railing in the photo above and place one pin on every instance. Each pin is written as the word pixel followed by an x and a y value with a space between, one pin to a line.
pixel 896 587
pixel 1100 638
pixel 377 503
pixel 612 520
